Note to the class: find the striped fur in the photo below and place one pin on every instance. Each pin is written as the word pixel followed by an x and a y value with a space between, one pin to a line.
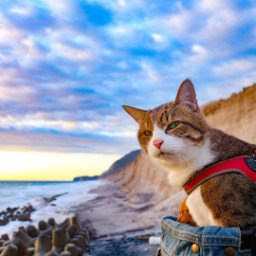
pixel 178 139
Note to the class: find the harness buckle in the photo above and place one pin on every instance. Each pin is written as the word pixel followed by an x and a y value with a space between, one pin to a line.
pixel 251 162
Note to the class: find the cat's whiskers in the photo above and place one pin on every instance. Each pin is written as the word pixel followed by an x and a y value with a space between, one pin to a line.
pixel 176 136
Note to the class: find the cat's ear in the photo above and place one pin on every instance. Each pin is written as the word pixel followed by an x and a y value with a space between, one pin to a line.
pixel 137 114
pixel 187 95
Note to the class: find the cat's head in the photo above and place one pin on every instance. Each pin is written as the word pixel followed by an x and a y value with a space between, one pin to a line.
pixel 173 133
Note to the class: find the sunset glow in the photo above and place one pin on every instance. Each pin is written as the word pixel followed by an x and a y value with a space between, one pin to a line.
pixel 67 67
pixel 52 166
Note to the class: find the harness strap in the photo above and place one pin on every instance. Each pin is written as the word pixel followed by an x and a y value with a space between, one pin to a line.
pixel 243 165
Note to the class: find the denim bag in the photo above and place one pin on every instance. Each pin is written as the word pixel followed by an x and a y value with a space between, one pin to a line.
pixel 182 239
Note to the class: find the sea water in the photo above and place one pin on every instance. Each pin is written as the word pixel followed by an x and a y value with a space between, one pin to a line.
pixel 22 193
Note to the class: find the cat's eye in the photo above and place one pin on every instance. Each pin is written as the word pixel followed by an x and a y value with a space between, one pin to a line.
pixel 148 133
pixel 173 125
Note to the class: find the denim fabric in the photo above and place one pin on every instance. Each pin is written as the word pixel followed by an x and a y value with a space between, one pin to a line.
pixel 178 238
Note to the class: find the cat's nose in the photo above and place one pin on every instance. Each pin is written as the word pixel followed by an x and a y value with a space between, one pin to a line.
pixel 158 143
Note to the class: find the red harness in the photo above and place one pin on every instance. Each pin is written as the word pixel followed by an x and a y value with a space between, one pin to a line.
pixel 238 165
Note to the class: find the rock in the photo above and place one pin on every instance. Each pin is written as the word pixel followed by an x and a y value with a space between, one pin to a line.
pixel 24 217
pixel 27 240
pixel 89 234
pixel 12 214
pixel 76 241
pixel 64 224
pixel 65 253
pixel 22 249
pixel 47 232
pixel 71 248
pixel 72 230
pixel 42 225
pixel 78 244
pixel 21 228
pixel 79 251
pixel 82 178
pixel 30 251
pixel 43 245
pixel 52 253
pixel 52 222
pixel 59 239
pixel 47 200
pixel 81 241
pixel 4 222
pixel 32 231
pixel 74 220
pixel 5 237
pixel 52 239
pixel 10 250
pixel 7 243
pixel 88 229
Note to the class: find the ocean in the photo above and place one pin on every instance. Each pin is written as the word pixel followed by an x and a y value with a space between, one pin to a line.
pixel 22 193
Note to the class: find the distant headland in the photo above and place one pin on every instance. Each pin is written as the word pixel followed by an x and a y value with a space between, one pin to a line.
pixel 84 178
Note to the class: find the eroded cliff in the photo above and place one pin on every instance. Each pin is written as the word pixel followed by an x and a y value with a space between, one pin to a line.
pixel 235 115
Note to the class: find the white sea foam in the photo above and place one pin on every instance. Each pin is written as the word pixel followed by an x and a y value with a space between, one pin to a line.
pixel 24 193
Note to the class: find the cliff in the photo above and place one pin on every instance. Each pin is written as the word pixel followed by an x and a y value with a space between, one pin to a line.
pixel 141 179
pixel 121 163
pixel 235 115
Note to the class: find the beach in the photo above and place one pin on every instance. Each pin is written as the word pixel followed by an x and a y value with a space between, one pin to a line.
pixel 119 228
pixel 48 199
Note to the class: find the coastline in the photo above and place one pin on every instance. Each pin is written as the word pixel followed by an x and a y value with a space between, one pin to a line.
pixel 48 200
pixel 120 225
pixel 111 212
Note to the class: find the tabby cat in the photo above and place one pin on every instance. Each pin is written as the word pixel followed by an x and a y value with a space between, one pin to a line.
pixel 177 138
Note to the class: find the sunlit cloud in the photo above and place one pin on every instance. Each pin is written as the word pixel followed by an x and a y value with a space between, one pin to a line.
pixel 66 67
pixel 234 67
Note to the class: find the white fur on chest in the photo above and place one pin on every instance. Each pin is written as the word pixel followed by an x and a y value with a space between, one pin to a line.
pixel 199 210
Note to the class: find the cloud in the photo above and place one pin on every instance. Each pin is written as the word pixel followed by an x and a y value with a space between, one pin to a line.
pixel 72 53
pixel 59 7
pixel 8 31
pixel 158 38
pixel 232 68
pixel 212 6
pixel 64 142
pixel 66 67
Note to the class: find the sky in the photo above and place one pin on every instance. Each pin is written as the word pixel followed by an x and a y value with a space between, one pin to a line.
pixel 67 67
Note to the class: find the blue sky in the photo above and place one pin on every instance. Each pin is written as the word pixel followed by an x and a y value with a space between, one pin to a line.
pixel 68 66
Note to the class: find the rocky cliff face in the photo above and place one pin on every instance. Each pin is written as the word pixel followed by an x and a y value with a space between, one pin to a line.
pixel 143 180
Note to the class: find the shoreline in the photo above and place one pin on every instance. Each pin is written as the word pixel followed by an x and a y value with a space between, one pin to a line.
pixel 111 211
pixel 122 226
pixel 50 200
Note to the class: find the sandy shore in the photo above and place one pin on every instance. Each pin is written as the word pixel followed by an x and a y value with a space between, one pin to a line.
pixel 123 226
pixel 118 223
